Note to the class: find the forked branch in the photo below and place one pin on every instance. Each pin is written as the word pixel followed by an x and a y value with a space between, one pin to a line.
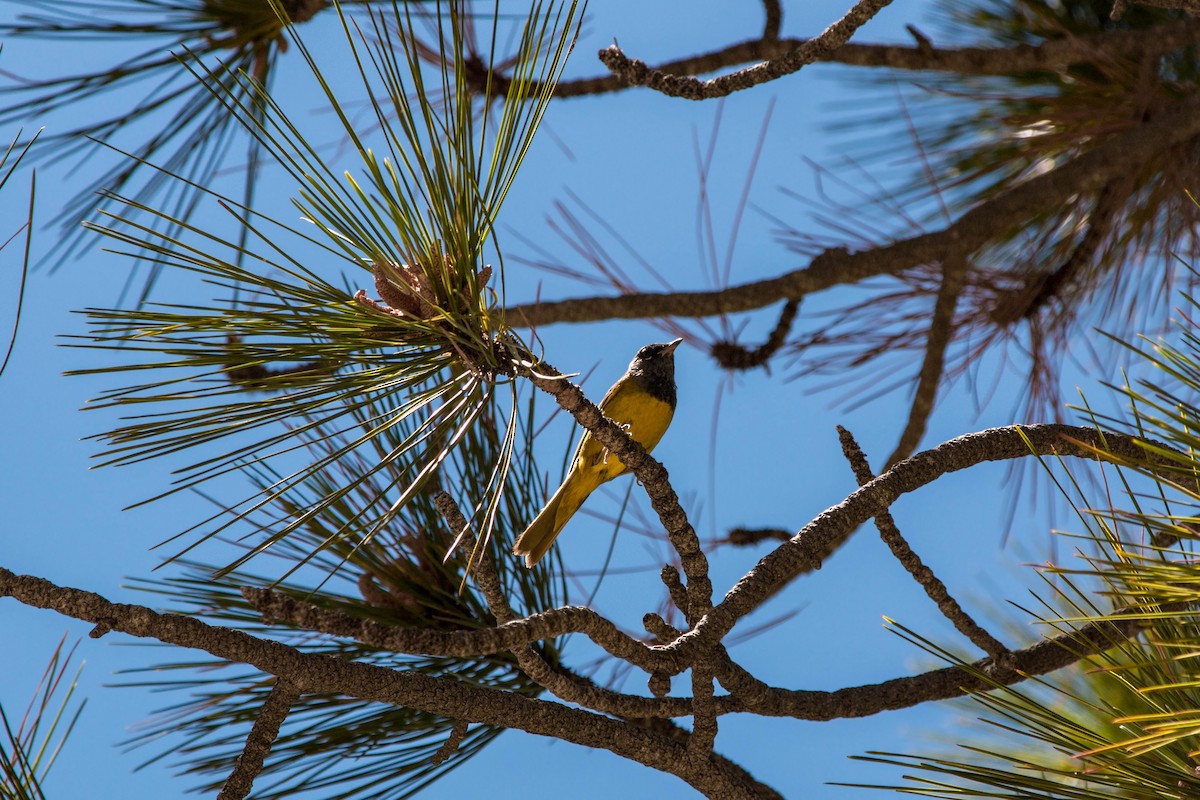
pixel 635 73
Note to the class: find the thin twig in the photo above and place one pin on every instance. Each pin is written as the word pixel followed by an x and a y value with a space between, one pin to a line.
pixel 732 355
pixel 1042 289
pixel 773 12
pixel 983 675
pixel 457 734
pixel 675 588
pixel 260 740
pixel 933 586
pixel 747 537
pixel 941 331
pixel 485 574
pixel 636 73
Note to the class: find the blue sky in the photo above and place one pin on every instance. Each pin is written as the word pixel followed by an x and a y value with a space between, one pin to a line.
pixel 632 158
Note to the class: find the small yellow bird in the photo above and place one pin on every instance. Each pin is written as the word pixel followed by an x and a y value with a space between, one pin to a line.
pixel 643 401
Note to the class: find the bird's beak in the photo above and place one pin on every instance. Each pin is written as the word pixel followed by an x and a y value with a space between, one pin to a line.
pixel 671 347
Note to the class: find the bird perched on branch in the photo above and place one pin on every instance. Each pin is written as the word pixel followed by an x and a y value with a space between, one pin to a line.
pixel 643 402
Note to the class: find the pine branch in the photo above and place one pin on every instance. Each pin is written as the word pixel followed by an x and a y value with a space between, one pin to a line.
pixel 636 73
pixel 1055 54
pixel 976 227
pixel 317 673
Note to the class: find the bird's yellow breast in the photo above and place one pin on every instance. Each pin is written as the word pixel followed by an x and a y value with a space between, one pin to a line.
pixel 645 417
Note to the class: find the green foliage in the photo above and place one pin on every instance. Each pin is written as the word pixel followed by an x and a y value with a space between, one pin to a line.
pixel 425 359
pixel 346 412
pixel 231 37
pixel 399 576
pixel 9 161
pixel 29 748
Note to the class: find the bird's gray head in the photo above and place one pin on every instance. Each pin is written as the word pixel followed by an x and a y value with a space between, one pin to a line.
pixel 654 368
pixel 652 351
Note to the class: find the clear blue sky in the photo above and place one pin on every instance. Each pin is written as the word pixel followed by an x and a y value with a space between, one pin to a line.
pixel 632 158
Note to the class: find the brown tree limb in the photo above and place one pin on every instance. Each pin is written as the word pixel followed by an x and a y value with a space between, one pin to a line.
pixel 318 673
pixel 745 689
pixel 1055 54
pixel 1042 658
pixel 675 588
pixel 559 681
pixel 262 737
pixel 485 575
pixel 704 710
pixel 834 267
pixel 636 73
pixel 821 537
pixel 750 695
pixel 507 637
pixel 309 672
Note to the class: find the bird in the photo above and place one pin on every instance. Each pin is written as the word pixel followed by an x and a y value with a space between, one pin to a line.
pixel 643 402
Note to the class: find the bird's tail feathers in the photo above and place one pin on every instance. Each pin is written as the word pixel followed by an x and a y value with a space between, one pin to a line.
pixel 535 542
